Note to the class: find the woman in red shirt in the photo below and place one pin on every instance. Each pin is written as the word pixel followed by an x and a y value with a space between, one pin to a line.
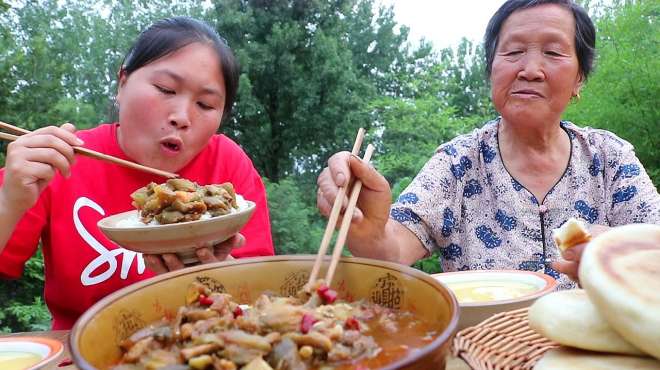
pixel 176 84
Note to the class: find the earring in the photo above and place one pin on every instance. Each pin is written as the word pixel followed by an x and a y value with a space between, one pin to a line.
pixel 576 97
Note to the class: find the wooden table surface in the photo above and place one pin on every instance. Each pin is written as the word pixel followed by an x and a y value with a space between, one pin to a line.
pixel 60 362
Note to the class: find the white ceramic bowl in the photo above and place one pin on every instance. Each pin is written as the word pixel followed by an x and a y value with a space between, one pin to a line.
pixel 13 350
pixel 181 238
pixel 473 313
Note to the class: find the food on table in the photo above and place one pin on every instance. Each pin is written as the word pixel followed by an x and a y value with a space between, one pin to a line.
pixel 569 318
pixel 180 200
pixel 620 271
pixel 565 358
pixel 15 360
pixel 621 298
pixel 570 234
pixel 309 331
pixel 489 290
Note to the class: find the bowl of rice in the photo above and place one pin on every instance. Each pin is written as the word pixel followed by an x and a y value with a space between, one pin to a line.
pixel 133 231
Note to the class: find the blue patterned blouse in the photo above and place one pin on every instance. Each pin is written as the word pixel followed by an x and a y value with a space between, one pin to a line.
pixel 465 205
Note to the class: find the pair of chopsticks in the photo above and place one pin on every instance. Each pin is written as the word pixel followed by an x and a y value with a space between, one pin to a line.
pixel 346 221
pixel 87 152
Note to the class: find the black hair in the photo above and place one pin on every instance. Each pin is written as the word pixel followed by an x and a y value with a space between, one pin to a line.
pixel 585 32
pixel 171 34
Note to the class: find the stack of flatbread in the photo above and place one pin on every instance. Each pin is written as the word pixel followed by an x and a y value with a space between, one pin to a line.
pixel 614 322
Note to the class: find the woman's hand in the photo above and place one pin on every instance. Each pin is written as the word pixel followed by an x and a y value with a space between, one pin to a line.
pixel 372 233
pixel 169 262
pixel 373 205
pixel 32 161
pixel 573 255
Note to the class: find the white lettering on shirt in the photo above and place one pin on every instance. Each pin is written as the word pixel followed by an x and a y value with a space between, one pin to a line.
pixel 106 257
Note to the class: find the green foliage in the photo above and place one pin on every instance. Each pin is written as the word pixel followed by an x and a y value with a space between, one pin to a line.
pixel 295 224
pixel 309 71
pixel 413 127
pixel 22 306
pixel 312 73
pixel 622 95
pixel 430 265
pixel 59 59
pixel 464 84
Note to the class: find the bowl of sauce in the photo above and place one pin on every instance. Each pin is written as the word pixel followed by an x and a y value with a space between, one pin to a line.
pixel 483 293
pixel 27 353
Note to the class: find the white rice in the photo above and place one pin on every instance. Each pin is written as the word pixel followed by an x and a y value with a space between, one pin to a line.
pixel 134 219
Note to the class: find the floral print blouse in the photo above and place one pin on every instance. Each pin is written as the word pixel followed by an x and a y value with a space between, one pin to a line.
pixel 465 205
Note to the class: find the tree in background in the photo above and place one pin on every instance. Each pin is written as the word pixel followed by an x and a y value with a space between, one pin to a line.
pixel 309 71
pixel 58 63
pixel 446 97
pixel 622 95
pixel 313 71
pixel 295 224
pixel 60 58
pixel 22 306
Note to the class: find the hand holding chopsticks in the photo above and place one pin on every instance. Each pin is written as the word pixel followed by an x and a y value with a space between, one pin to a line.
pixel 334 215
pixel 346 221
pixel 87 152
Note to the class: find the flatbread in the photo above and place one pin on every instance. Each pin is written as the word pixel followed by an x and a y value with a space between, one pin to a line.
pixel 573 359
pixel 620 270
pixel 570 234
pixel 569 318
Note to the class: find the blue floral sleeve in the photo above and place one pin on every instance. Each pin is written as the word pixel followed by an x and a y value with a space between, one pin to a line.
pixel 430 205
pixel 632 196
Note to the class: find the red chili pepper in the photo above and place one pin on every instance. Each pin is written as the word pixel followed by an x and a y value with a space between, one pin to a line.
pixel 327 295
pixel 306 323
pixel 204 300
pixel 65 362
pixel 352 324
pixel 238 311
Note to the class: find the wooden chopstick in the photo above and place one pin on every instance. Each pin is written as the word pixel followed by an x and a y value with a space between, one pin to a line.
pixel 89 153
pixel 334 215
pixel 14 129
pixel 346 221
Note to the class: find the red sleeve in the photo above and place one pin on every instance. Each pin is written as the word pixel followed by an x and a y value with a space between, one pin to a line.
pixel 258 239
pixel 247 182
pixel 24 240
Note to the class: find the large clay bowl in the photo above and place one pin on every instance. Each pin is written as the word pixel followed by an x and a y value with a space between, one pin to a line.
pixel 95 337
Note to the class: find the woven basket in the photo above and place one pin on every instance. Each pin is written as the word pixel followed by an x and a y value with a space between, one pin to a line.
pixel 504 341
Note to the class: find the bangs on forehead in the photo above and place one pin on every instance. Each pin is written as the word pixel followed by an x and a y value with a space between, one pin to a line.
pixel 171 34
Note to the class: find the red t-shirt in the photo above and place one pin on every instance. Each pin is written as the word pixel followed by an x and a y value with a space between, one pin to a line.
pixel 81 264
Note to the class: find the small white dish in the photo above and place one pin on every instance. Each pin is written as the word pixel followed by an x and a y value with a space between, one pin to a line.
pixel 28 353
pixel 493 286
pixel 181 238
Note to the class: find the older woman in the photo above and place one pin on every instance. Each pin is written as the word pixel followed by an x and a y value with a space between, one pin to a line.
pixel 489 199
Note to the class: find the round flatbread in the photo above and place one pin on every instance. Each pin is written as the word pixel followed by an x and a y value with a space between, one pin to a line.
pixel 620 270
pixel 574 359
pixel 569 318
